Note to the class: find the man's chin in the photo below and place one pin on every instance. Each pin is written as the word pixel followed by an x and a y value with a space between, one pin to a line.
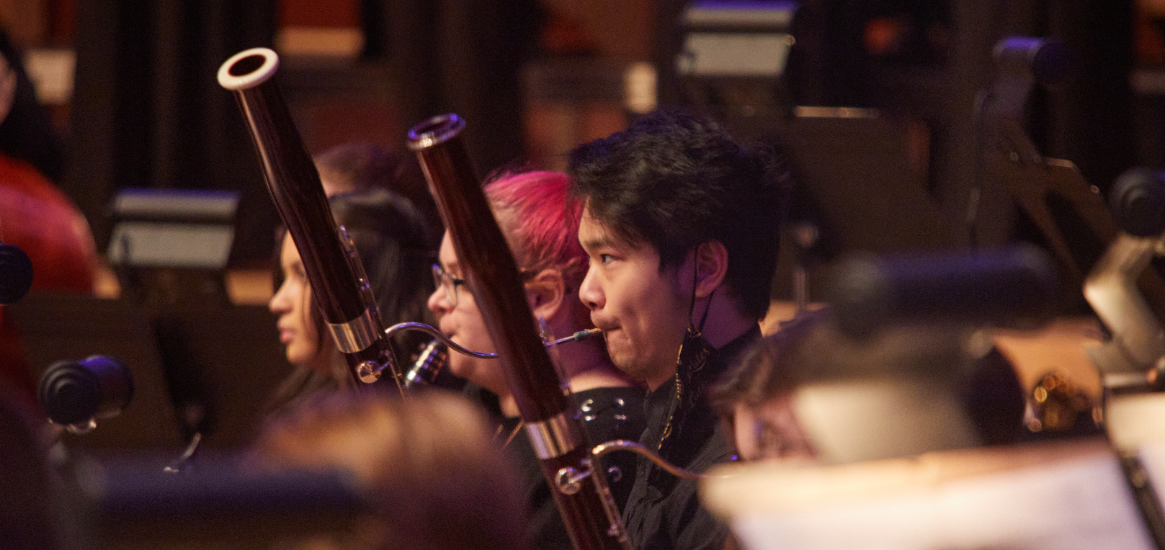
pixel 628 365
pixel 618 356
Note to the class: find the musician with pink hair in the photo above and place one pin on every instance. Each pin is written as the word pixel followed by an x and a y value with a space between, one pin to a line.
pixel 541 229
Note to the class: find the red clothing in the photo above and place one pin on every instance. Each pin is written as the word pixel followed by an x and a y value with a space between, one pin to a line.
pixel 39 219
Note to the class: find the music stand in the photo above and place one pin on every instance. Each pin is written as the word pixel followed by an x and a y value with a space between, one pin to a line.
pixel 65 326
pixel 171 246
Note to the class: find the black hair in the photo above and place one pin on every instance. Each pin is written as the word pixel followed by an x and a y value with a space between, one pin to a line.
pixel 674 181
pixel 360 166
pixel 393 242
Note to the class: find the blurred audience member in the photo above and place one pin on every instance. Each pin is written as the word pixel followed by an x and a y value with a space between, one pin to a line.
pixel 436 478
pixel 755 397
pixel 35 215
pixel 761 395
pixel 38 218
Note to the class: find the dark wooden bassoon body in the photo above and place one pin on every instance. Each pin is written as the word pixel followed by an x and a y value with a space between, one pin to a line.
pixel 294 184
pixel 492 276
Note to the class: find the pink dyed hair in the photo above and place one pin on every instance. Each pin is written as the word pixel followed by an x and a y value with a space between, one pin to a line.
pixel 540 222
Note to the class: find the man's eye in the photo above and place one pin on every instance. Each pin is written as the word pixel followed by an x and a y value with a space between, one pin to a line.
pixel 606 258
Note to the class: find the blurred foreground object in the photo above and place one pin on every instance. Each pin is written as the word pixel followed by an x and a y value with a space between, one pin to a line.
pixel 1057 404
pixel 900 363
pixel 1010 286
pixel 1066 496
pixel 366 470
pixel 31 515
pixel 1132 359
pixel 130 503
pixel 36 216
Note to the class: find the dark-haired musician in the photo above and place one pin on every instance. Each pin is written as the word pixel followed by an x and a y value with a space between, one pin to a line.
pixel 681 226
pixel 391 239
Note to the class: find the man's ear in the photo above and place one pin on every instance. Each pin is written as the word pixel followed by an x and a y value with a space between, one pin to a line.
pixel 545 293
pixel 711 267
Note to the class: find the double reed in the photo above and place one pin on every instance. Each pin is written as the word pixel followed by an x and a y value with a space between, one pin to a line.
pixel 338 287
pixel 492 276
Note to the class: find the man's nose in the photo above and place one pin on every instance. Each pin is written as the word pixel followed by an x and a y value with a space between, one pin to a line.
pixel 590 291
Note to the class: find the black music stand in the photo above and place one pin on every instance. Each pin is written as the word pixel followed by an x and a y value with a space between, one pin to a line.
pixel 170 246
pixel 60 326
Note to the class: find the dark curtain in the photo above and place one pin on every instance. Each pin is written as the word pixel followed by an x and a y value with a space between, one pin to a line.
pixel 461 56
pixel 148 111
pixel 1091 119
pixel 668 43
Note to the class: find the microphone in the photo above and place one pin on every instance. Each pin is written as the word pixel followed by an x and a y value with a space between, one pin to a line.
pixel 15 274
pixel 1137 202
pixel 1048 60
pixel 76 393
pixel 1013 286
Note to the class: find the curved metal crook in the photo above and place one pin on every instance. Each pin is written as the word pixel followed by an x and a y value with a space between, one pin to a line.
pixel 623 445
pixel 576 337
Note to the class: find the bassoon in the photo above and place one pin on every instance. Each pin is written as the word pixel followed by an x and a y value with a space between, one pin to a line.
pixel 339 289
pixel 492 276
pixel 579 489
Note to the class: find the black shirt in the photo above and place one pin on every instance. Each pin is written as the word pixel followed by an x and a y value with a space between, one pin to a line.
pixel 664 511
pixel 606 414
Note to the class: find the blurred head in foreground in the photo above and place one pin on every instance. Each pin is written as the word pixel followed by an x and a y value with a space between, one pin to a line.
pixel 809 391
pixel 755 397
pixel 429 464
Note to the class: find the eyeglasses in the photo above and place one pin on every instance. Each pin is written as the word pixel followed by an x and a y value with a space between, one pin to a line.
pixel 447 283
